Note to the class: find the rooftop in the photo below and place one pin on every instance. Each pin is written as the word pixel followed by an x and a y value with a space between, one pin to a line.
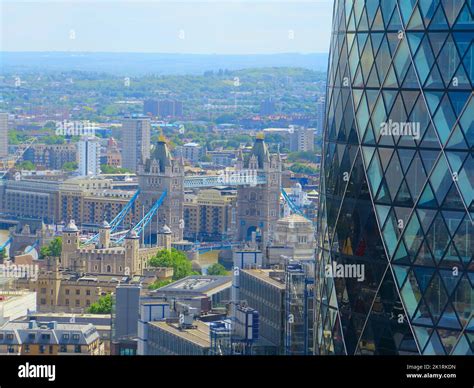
pixel 198 284
pixel 267 276
pixel 24 332
pixel 198 334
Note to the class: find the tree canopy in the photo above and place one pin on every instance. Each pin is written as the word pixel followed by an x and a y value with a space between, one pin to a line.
pixel 173 259
pixel 102 306
pixel 53 249
pixel 217 269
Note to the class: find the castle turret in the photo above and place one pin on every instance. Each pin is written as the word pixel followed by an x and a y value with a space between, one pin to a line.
pixel 70 244
pixel 132 247
pixel 104 235
pixel 164 238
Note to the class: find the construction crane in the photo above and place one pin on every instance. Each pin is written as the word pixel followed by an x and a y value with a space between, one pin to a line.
pixel 22 148
pixel 142 224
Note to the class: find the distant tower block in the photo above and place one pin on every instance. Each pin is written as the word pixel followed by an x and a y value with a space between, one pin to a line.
pixel 258 206
pixel 159 173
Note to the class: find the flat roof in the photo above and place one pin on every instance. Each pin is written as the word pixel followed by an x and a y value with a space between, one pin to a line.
pixel 198 284
pixel 264 275
pixel 198 335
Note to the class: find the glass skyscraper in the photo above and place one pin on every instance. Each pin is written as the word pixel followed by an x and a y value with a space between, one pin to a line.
pixel 395 270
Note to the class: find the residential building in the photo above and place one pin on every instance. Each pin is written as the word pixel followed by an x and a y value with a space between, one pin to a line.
pixel 88 151
pixel 163 108
pixel 102 323
pixel 208 215
pixel 49 338
pixel 51 156
pixel 135 142
pixel 191 152
pixel 223 158
pixel 301 139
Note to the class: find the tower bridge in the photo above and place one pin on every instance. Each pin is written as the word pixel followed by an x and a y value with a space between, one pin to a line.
pixel 162 184
pixel 257 178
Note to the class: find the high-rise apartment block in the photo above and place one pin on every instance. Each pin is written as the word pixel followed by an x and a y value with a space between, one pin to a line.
pixel 301 139
pixel 88 156
pixel 163 108
pixel 135 142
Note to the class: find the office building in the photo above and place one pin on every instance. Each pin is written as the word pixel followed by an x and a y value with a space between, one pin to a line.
pixel 125 315
pixel 88 156
pixel 396 183
pixel 135 142
pixel 30 198
pixel 264 291
pixel 177 339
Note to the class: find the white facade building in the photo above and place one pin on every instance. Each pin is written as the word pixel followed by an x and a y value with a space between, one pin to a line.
pixel 88 149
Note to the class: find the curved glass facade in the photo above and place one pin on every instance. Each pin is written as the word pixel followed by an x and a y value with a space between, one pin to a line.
pixel 395 270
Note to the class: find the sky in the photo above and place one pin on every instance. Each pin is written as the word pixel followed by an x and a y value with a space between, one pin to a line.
pixel 166 26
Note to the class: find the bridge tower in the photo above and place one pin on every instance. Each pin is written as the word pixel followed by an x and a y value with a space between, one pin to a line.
pixel 156 174
pixel 258 206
